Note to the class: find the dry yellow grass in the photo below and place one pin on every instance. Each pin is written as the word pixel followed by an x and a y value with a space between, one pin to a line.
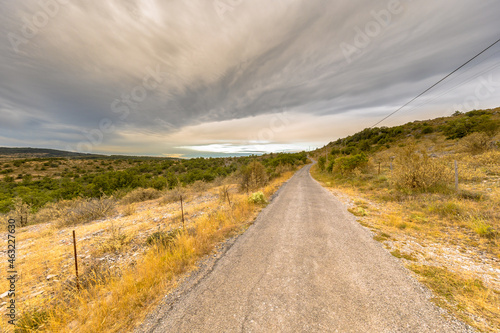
pixel 123 277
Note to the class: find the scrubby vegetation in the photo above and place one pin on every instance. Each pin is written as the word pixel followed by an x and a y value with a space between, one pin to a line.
pixel 418 171
pixel 66 179
pixel 257 198
pixel 133 244
pixel 407 174
pixel 43 183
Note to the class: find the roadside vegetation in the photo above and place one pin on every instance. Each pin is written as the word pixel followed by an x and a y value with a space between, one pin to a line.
pixel 39 183
pixel 400 183
pixel 134 242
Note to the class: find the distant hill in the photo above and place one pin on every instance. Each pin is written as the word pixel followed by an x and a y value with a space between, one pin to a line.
pixel 28 152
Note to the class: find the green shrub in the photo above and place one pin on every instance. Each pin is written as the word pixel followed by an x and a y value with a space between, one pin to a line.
pixel 474 121
pixel 347 164
pixel 427 130
pixel 257 198
pixel 448 208
pixel 475 196
pixel 321 163
pixel 163 238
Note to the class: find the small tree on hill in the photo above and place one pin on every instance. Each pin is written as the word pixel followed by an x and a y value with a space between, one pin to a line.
pixel 253 176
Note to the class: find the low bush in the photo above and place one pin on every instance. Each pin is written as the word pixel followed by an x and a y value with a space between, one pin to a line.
pixel 52 212
pixel 476 143
pixel 468 195
pixel 31 321
pixel 129 210
pixel 141 194
pixel 163 238
pixel 87 210
pixel 418 171
pixel 482 228
pixel 22 212
pixel 427 130
pixel 253 176
pixel 348 164
pixel 174 195
pixel 448 208
pixel 117 241
pixel 257 198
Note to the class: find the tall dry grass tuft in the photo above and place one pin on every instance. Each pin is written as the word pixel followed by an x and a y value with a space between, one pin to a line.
pixel 129 210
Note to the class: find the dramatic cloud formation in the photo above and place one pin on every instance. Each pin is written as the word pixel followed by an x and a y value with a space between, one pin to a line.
pixel 215 77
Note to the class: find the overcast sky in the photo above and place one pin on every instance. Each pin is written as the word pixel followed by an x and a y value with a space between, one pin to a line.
pixel 215 77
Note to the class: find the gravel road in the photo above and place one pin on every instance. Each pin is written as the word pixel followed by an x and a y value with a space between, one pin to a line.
pixel 305 265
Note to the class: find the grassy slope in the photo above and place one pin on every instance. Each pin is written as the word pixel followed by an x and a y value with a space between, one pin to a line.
pixel 449 239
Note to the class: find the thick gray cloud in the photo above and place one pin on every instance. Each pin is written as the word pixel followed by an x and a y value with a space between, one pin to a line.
pixel 106 73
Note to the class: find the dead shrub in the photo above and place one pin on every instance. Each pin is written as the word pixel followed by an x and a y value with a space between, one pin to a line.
pixel 253 176
pixel 224 194
pixel 21 212
pixel 418 171
pixel 199 186
pixel 87 210
pixel 52 212
pixel 141 194
pixel 476 143
pixel 174 195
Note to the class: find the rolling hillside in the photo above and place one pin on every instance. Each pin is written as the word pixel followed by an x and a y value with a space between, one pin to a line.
pixel 430 193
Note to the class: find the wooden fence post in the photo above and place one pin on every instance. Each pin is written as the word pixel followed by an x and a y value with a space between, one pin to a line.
pixel 456 176
pixel 182 212
pixel 227 196
pixel 76 261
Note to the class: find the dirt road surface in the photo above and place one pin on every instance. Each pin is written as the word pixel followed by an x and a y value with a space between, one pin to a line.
pixel 305 265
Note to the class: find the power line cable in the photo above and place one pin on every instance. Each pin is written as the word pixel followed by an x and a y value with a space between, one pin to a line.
pixel 461 83
pixel 435 84
pixel 467 80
